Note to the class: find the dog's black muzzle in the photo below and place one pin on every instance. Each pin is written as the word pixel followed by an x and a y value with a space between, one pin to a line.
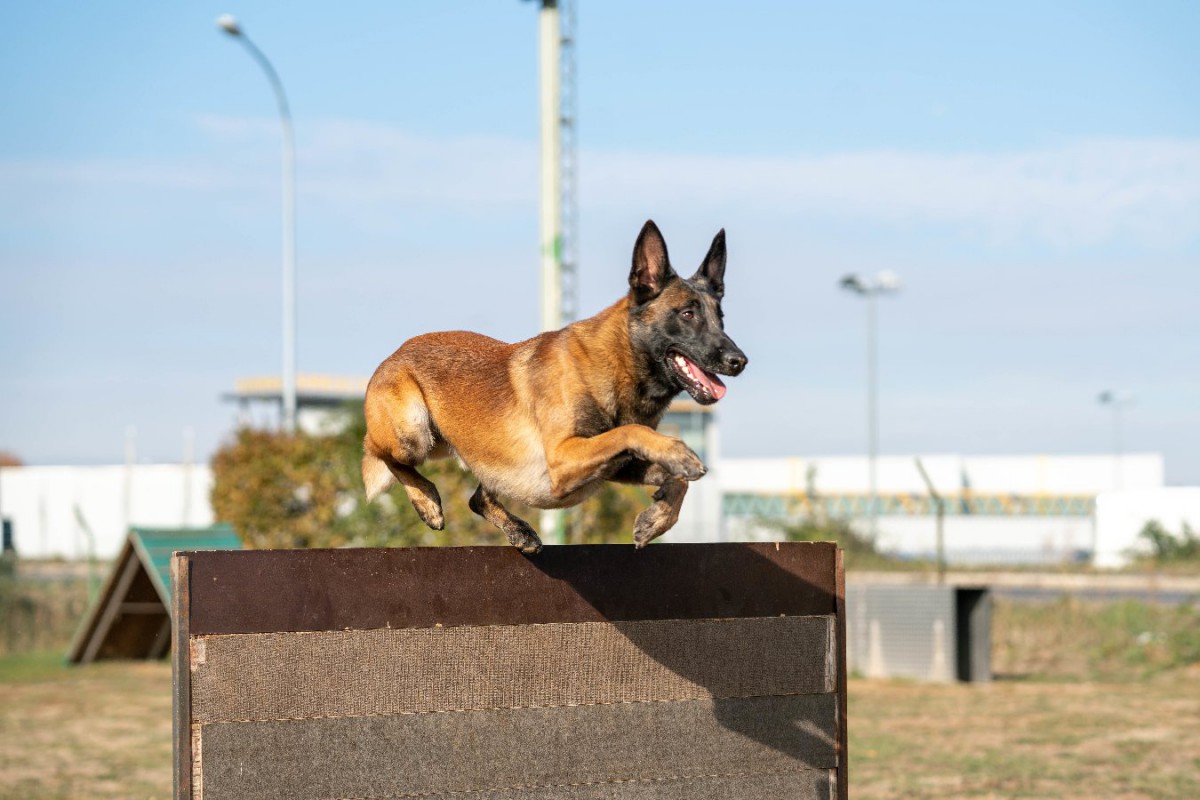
pixel 730 359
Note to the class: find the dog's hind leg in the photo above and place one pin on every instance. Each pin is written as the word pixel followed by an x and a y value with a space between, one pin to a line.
pixel 422 493
pixel 380 473
pixel 663 513
pixel 401 435
pixel 519 534
pixel 377 478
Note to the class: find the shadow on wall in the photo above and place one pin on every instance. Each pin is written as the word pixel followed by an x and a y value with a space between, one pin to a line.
pixel 752 676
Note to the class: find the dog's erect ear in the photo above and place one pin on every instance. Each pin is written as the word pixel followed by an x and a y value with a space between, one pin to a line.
pixel 651 268
pixel 712 271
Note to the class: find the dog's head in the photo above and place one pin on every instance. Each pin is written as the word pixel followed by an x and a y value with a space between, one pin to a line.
pixel 678 323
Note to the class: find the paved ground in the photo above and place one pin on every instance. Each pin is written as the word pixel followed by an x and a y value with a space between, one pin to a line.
pixel 1035 586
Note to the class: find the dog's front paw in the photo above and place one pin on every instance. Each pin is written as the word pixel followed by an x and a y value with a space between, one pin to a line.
pixel 650 524
pixel 653 522
pixel 682 462
pixel 524 539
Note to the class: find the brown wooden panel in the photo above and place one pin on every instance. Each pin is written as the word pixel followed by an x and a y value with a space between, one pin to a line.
pixel 728 747
pixel 135 635
pixel 181 679
pixel 310 590
pixel 473 751
pixel 808 784
pixel 265 676
pixel 843 734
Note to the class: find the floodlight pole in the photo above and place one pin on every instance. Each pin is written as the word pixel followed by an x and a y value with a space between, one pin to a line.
pixel 872 416
pixel 1119 401
pixel 868 289
pixel 230 26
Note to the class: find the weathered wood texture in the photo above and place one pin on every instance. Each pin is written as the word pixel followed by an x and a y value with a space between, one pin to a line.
pixel 698 671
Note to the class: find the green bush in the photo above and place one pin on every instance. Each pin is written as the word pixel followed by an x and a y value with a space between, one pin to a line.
pixel 1170 548
pixel 37 615
pixel 860 550
pixel 281 491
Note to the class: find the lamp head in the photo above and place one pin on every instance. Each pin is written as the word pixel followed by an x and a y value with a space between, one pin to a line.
pixel 1110 397
pixel 887 281
pixel 882 283
pixel 854 283
pixel 227 23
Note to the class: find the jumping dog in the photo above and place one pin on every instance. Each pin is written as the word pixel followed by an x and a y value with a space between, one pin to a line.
pixel 547 420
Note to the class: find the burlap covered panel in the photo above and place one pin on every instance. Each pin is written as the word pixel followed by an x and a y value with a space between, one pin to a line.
pixel 374 672
pixel 809 784
pixel 733 748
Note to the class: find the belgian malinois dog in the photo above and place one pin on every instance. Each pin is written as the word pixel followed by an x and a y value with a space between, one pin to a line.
pixel 547 420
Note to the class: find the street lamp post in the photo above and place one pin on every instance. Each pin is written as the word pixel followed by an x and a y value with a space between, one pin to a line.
pixel 229 25
pixel 1119 401
pixel 885 282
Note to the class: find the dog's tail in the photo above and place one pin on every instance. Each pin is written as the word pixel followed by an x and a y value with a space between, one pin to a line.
pixel 377 478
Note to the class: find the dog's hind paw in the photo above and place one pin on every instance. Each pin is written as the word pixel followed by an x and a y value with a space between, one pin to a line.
pixel 432 516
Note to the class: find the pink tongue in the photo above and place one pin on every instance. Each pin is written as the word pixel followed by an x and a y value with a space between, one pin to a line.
pixel 707 379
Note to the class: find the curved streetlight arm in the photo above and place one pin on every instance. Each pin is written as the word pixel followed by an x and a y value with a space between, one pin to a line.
pixel 229 25
pixel 272 76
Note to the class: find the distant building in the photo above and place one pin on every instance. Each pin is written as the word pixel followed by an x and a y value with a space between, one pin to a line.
pixel 79 512
pixel 1000 509
pixel 696 425
pixel 83 512
pixel 321 401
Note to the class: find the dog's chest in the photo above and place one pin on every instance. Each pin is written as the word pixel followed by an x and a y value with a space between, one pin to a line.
pixel 591 417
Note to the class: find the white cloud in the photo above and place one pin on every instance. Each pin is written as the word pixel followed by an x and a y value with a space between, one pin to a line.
pixel 26 174
pixel 354 162
pixel 1082 193
pixel 362 162
pixel 1078 194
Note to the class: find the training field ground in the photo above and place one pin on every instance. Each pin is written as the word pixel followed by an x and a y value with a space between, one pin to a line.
pixel 1091 701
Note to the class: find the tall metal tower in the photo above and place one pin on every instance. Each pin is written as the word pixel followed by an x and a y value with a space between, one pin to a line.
pixel 559 216
pixel 568 157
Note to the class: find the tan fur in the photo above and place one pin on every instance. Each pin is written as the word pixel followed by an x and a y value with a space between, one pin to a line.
pixel 548 420
pixel 377 478
pixel 508 411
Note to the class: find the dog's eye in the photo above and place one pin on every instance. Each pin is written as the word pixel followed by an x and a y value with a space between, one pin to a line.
pixel 687 313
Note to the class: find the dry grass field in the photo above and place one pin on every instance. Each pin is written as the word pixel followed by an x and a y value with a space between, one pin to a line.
pixel 1030 739
pixel 101 731
pixel 1091 701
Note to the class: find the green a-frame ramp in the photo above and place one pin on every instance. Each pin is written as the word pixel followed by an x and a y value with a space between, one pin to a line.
pixel 130 618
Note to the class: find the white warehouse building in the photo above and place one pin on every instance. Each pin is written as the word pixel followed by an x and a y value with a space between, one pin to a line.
pixel 999 509
pixel 81 512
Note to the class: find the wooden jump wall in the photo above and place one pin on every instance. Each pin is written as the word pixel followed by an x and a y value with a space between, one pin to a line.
pixel 584 672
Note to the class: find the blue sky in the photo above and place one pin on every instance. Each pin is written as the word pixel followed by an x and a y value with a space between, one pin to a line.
pixel 1031 170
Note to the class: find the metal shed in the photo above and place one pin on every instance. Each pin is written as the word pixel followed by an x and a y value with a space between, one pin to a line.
pixel 130 618
pixel 928 633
